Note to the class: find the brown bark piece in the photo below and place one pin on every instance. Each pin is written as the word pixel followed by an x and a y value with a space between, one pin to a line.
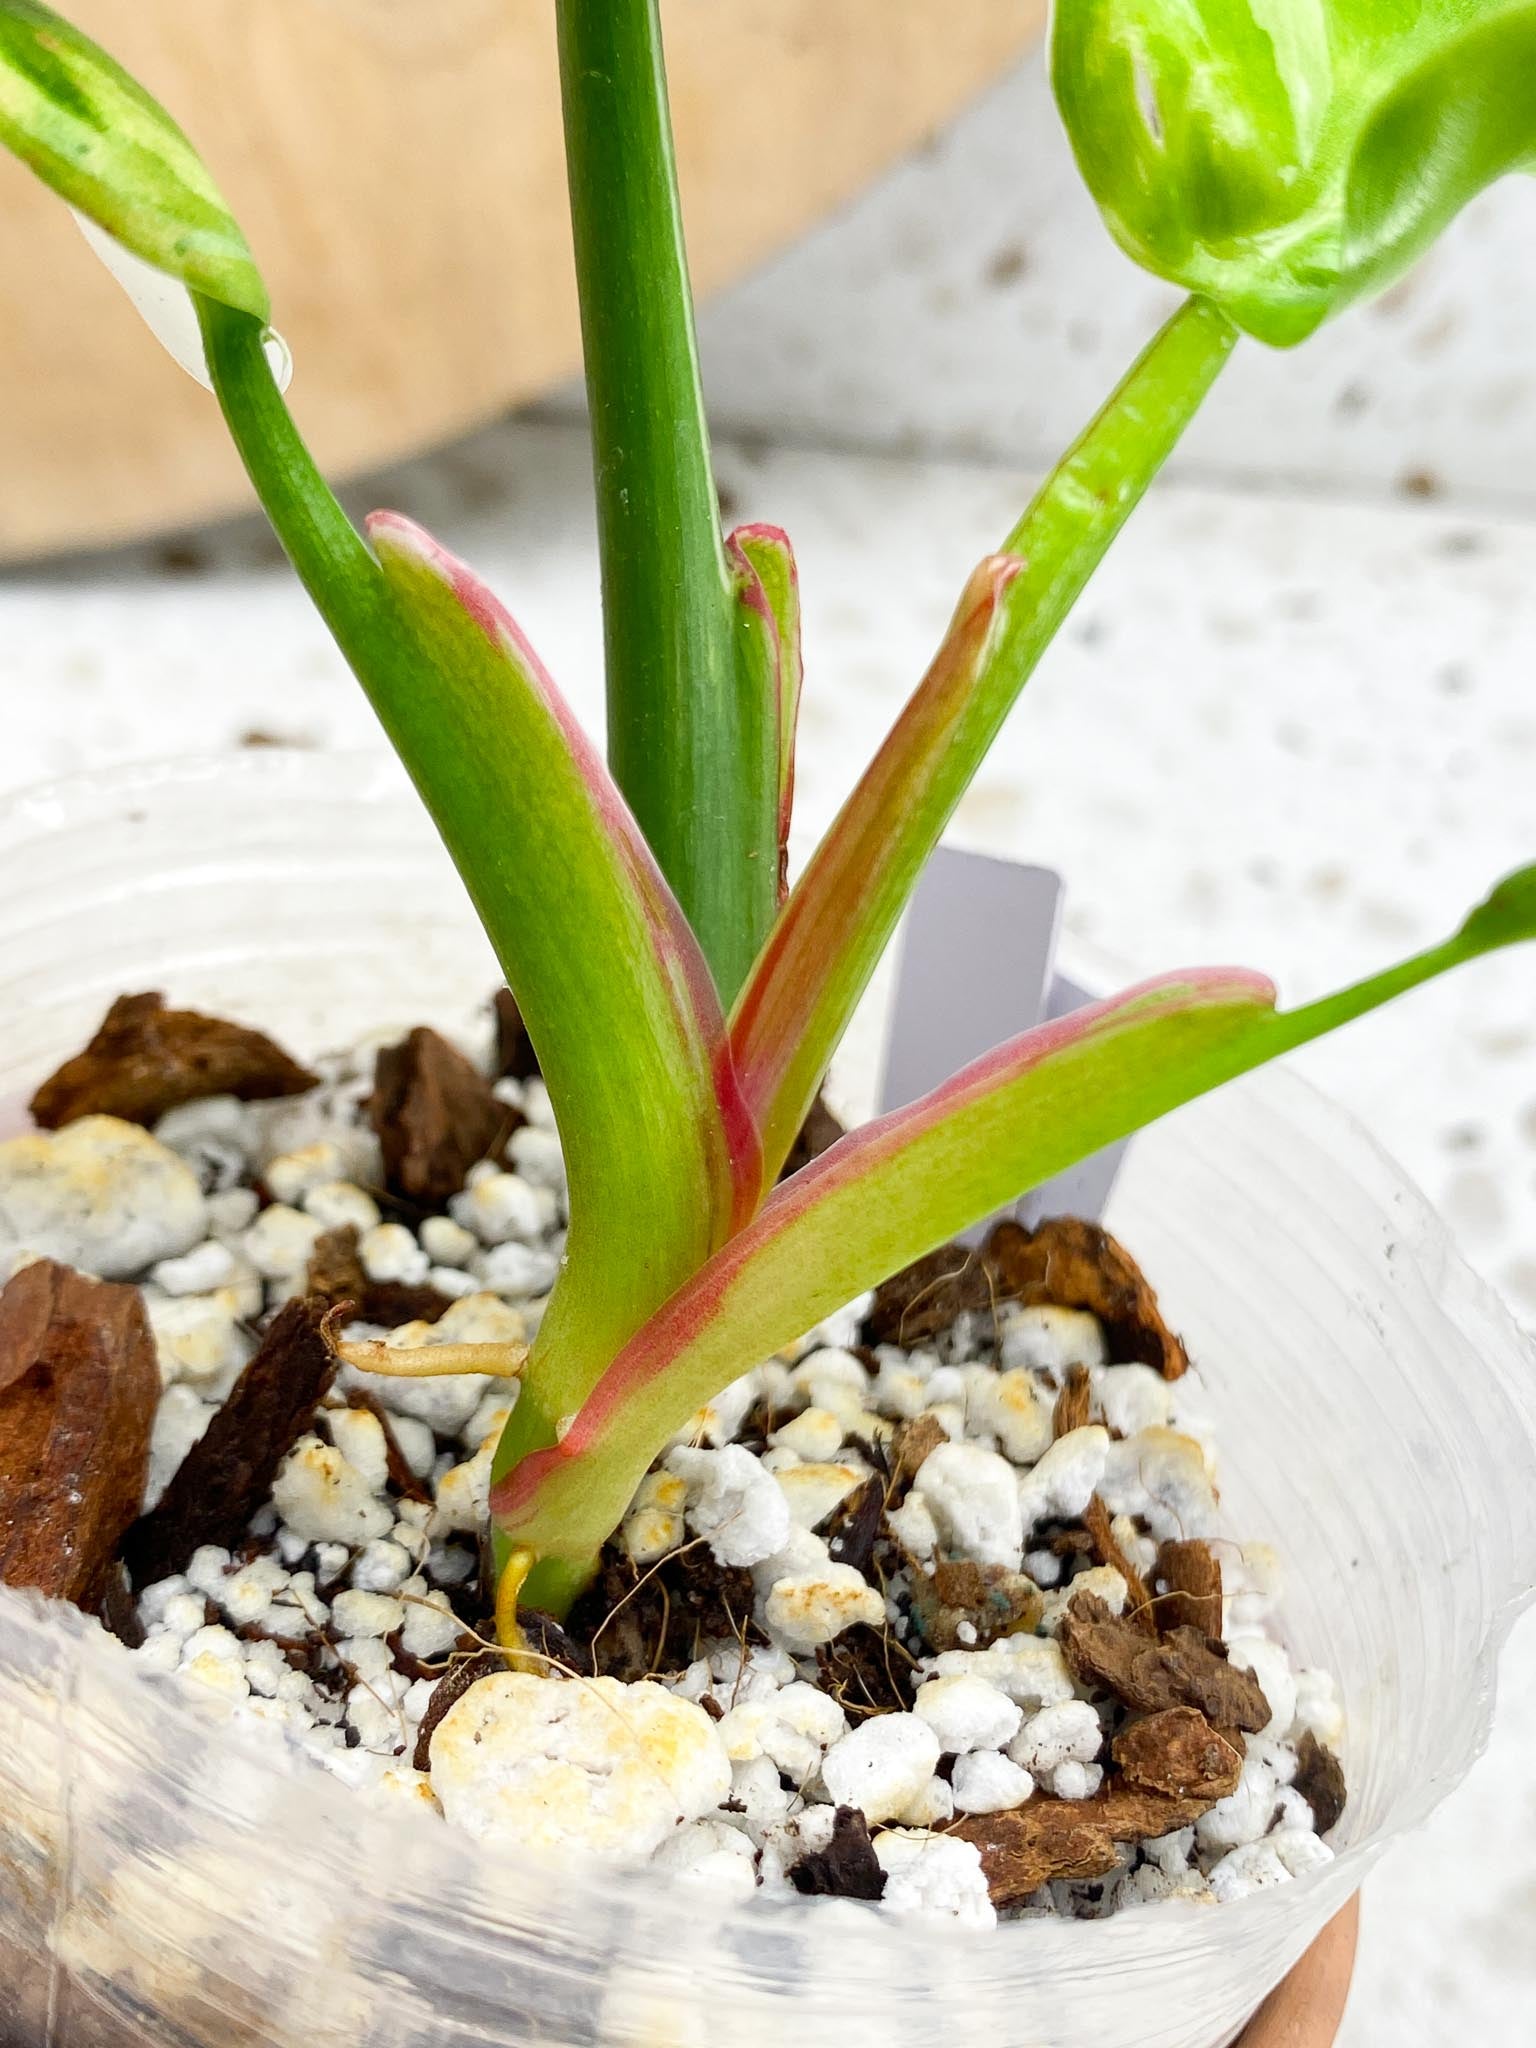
pixel 1178 1753
pixel 336 1274
pixel 855 1524
pixel 228 1473
pixel 1183 1670
pixel 146 1059
pixel 1320 1781
pixel 924 1299
pixel 78 1390
pixel 847 1868
pixel 1192 1573
pixel 1139 1605
pixel 516 1059
pixel 819 1133
pixel 1073 1264
pixel 992 1599
pixel 911 1445
pixel 1068 1838
pixel 1074 1404
pixel 435 1117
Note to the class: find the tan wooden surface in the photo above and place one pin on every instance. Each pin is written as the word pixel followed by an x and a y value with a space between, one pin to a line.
pixel 1307 2008
pixel 397 167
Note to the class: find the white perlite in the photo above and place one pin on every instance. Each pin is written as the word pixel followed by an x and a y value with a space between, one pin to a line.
pixel 100 1195
pixel 728 1770
pixel 548 1764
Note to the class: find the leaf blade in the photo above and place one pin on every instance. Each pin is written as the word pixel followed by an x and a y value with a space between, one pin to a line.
pixel 1286 160
pixel 898 1187
pixel 612 986
pixel 840 915
pixel 93 135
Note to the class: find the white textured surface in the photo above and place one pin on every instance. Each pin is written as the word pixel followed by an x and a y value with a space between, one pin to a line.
pixel 1293 731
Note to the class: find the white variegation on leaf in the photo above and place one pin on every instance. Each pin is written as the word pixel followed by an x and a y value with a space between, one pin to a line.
pixel 165 305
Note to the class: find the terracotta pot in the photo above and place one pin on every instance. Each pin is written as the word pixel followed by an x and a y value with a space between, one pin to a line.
pixel 1306 2009
pixel 398 169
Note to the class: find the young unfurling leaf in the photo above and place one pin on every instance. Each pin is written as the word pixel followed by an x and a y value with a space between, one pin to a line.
pixel 94 135
pixel 1284 157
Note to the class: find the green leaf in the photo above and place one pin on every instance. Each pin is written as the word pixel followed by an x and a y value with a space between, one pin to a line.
pixel 1284 157
pixel 819 957
pixel 768 609
pixel 898 1187
pixel 612 986
pixel 99 140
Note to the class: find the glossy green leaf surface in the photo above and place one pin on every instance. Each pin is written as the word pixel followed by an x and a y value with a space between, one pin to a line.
pixel 896 1188
pixel 97 138
pixel 795 1005
pixel 1284 157
pixel 614 991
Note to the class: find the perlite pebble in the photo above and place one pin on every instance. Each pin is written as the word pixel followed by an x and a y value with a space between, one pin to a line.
pixel 1051 1340
pixel 1069 1732
pixel 1029 1669
pixel 1066 1478
pixel 793 1727
pixel 732 1502
pixel 389 1252
pixel 554 1764
pixel 279 1243
pixel 497 1206
pixel 447 1243
pixel 709 1852
pixel 987 1782
pixel 808 1608
pixel 536 1154
pixel 100 1195
pixel 207 1266
pixel 882 1766
pixel 967 1713
pixel 338 1205
pixel 813 1492
pixel 520 1270
pixel 324 1498
pixel 292 1175
pixel 180 1419
pixel 973 1497
pixel 936 1876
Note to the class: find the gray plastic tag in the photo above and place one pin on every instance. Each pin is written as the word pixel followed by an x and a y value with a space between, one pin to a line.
pixel 976 968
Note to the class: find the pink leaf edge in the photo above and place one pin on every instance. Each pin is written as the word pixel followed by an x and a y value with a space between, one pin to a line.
pixel 851 1159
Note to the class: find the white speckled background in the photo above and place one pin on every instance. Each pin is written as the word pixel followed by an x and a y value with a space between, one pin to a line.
pixel 1293 725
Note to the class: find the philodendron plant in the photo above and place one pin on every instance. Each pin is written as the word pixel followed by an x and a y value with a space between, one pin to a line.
pixel 1278 159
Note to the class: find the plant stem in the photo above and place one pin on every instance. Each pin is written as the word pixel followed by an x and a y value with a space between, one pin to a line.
pixel 333 561
pixel 691 744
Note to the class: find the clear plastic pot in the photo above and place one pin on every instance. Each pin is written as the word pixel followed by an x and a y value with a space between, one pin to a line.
pixel 167 1877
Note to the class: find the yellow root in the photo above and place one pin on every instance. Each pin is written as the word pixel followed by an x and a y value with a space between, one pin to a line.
pixel 434 1361
pixel 509 1631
